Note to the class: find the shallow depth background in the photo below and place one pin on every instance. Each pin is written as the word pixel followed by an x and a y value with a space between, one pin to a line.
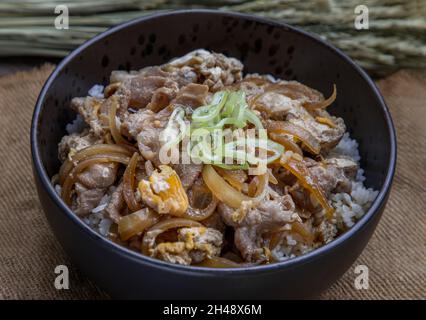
pixel 396 37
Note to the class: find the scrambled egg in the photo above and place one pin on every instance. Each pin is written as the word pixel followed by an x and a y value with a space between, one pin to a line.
pixel 193 246
pixel 164 192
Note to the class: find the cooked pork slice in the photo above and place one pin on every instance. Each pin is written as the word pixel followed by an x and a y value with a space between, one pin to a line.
pixel 161 98
pixel 99 175
pixel 181 76
pixel 349 166
pixel 253 85
pixel 188 173
pixel 134 123
pixel 250 244
pixel 143 88
pixel 116 204
pixel 251 223
pixel 213 69
pixel 277 106
pixel 184 76
pixel 296 91
pixel 302 198
pixel 87 199
pixel 89 109
pixel 153 87
pixel 75 142
pixel 193 95
pixel 215 222
pixel 148 144
pixel 154 71
pixel 269 213
pixel 327 135
pixel 286 101
pixel 334 174
pixel 145 127
pixel 193 246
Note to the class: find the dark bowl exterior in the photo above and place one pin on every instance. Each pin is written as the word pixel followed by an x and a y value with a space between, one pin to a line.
pixel 264 47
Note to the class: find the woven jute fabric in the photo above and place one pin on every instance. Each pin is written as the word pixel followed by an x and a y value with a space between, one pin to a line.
pixel 29 253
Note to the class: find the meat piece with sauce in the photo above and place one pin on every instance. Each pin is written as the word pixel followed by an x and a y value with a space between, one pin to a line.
pixel 75 142
pixel 86 199
pixel 213 69
pixel 251 222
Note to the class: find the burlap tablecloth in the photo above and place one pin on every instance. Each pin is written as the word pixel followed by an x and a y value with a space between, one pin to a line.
pixel 395 256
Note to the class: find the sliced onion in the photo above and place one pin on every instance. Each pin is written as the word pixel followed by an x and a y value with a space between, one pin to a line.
pixel 136 222
pixel 111 89
pixel 91 151
pixel 152 233
pixel 118 138
pixel 211 111
pixel 271 177
pixel 322 104
pixel 235 178
pixel 201 214
pixel 303 231
pixel 108 138
pixel 129 184
pixel 308 181
pixel 286 143
pixel 296 91
pixel 300 133
pixel 71 178
pixel 326 121
pixel 228 195
pixel 253 118
pixel 296 227
pixel 253 186
pixel 275 238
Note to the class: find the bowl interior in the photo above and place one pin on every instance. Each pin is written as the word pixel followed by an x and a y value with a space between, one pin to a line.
pixel 264 48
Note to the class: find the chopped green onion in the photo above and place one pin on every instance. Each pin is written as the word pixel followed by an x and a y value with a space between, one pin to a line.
pixel 172 135
pixel 251 117
pixel 211 111
pixel 207 137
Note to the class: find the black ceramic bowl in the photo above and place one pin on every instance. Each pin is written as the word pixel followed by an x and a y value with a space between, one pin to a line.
pixel 264 47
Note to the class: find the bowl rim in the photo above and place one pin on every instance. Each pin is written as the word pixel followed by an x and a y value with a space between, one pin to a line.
pixel 156 263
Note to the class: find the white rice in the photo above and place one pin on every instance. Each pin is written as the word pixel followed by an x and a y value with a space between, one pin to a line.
pixel 291 241
pixel 104 226
pixel 58 189
pixel 76 126
pixel 97 91
pixel 97 218
pixel 351 207
pixel 347 147
pixel 102 204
